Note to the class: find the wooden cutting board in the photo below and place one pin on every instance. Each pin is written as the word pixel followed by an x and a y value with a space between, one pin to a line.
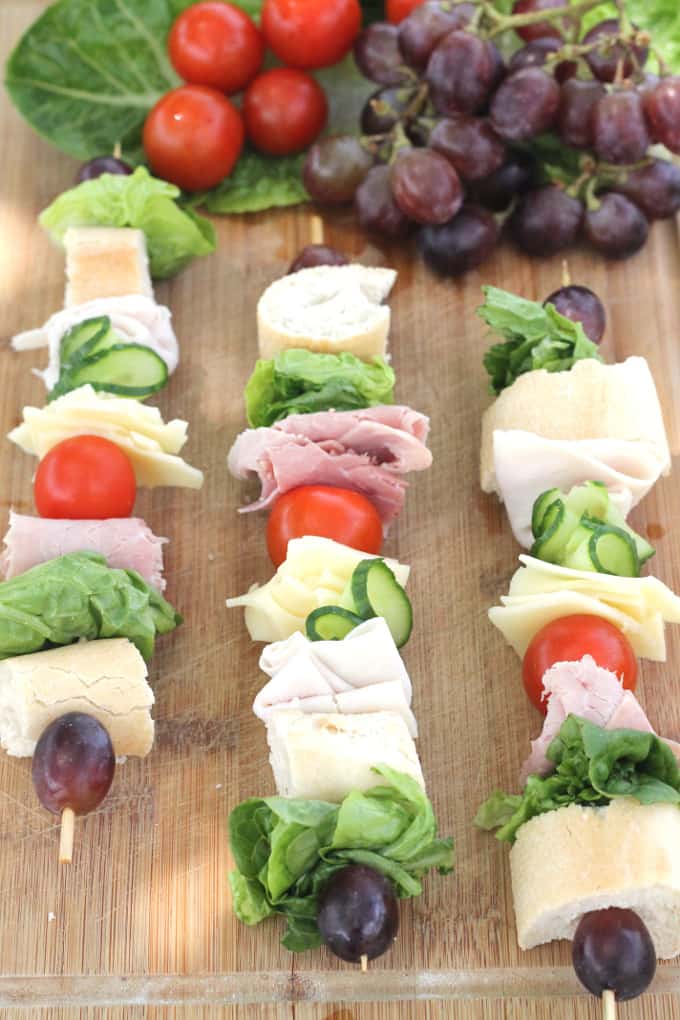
pixel 141 921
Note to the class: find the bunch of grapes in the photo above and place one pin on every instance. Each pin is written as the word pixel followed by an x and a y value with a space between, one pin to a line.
pixel 459 146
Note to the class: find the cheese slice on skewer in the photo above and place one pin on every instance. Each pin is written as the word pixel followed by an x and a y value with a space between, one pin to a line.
pixel 326 756
pixel 105 679
pixel 138 429
pixel 104 262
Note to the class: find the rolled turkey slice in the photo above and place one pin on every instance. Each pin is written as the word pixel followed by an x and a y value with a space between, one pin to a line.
pixel 125 542
pixel 136 318
pixel 105 679
pixel 327 755
pixel 362 673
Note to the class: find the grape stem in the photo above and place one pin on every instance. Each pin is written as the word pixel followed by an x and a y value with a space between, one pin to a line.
pixel 505 21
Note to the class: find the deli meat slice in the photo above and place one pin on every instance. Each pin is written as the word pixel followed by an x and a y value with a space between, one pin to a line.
pixel 587 690
pixel 127 543
pixel 365 451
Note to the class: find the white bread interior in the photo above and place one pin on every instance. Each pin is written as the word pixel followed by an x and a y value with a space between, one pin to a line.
pixel 104 262
pixel 568 862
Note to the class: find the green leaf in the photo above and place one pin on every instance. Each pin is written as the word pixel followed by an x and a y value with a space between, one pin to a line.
pixel 174 236
pixel 300 382
pixel 250 902
pixel 535 337
pixel 257 182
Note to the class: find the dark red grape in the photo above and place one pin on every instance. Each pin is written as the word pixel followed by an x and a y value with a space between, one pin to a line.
pixel 535 54
pixel 517 176
pixel 618 228
pixel 525 105
pixel 425 186
pixel 73 764
pixel 613 951
pixel 543 28
pixel 377 53
pixel 426 25
pixel 464 243
pixel 375 206
pixel 383 109
pixel 102 165
pixel 575 115
pixel 605 60
pixel 546 221
pixel 460 73
pixel 654 188
pixel 499 68
pixel 358 913
pixel 619 129
pixel 662 106
pixel 580 304
pixel 318 255
pixel 334 168
pixel 470 144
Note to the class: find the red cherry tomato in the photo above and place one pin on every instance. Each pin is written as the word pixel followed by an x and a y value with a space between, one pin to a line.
pixel 568 640
pixel 193 136
pixel 284 110
pixel 340 514
pixel 397 10
pixel 86 477
pixel 310 33
pixel 217 44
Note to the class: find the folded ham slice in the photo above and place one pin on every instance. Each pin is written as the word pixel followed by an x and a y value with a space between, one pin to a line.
pixel 362 673
pixel 125 542
pixel 365 451
pixel 137 319
pixel 591 692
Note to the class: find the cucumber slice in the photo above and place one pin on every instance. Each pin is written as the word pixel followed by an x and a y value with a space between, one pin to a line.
pixel 376 592
pixel 614 517
pixel 330 623
pixel 82 335
pixel 557 526
pixel 545 500
pixel 591 498
pixel 613 551
pixel 130 370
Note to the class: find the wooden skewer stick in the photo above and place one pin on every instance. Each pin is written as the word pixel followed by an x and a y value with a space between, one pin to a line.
pixel 609 1011
pixel 66 836
pixel 117 151
pixel 316 230
pixel 364 965
pixel 566 275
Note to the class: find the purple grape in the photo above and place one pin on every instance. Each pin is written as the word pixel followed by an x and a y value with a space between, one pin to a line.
pixel 654 188
pixel 376 209
pixel 102 165
pixel 525 105
pixel 73 764
pixel 378 57
pixel 604 62
pixel 662 107
pixel 575 115
pixel 517 176
pixel 580 304
pixel 546 221
pixel 536 53
pixel 420 32
pixel 358 913
pixel 462 244
pixel 425 186
pixel 613 951
pixel 460 73
pixel 542 29
pixel 334 168
pixel 383 109
pixel 619 129
pixel 317 255
pixel 470 144
pixel 617 228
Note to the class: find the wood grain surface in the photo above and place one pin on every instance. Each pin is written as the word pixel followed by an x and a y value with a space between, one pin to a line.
pixel 140 924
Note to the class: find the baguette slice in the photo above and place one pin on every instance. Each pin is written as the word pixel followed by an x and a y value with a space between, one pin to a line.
pixel 327 308
pixel 577 859
pixel 104 262
pixel 105 679
pixel 326 756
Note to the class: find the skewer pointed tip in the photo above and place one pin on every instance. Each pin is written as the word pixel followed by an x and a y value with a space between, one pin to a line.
pixel 66 836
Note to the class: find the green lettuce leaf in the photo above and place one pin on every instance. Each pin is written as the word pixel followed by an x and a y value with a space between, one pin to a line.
pixel 535 337
pixel 286 850
pixel 300 382
pixel 79 596
pixel 592 767
pixel 257 182
pixel 174 235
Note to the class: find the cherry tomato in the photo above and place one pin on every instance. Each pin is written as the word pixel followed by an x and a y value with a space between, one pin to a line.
pixel 310 33
pixel 397 10
pixel 217 44
pixel 85 477
pixel 568 640
pixel 193 136
pixel 284 110
pixel 340 514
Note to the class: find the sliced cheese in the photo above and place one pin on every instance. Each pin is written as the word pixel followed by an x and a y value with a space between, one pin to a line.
pixel 105 262
pixel 568 862
pixel 315 573
pixel 542 592
pixel 105 679
pixel 139 430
